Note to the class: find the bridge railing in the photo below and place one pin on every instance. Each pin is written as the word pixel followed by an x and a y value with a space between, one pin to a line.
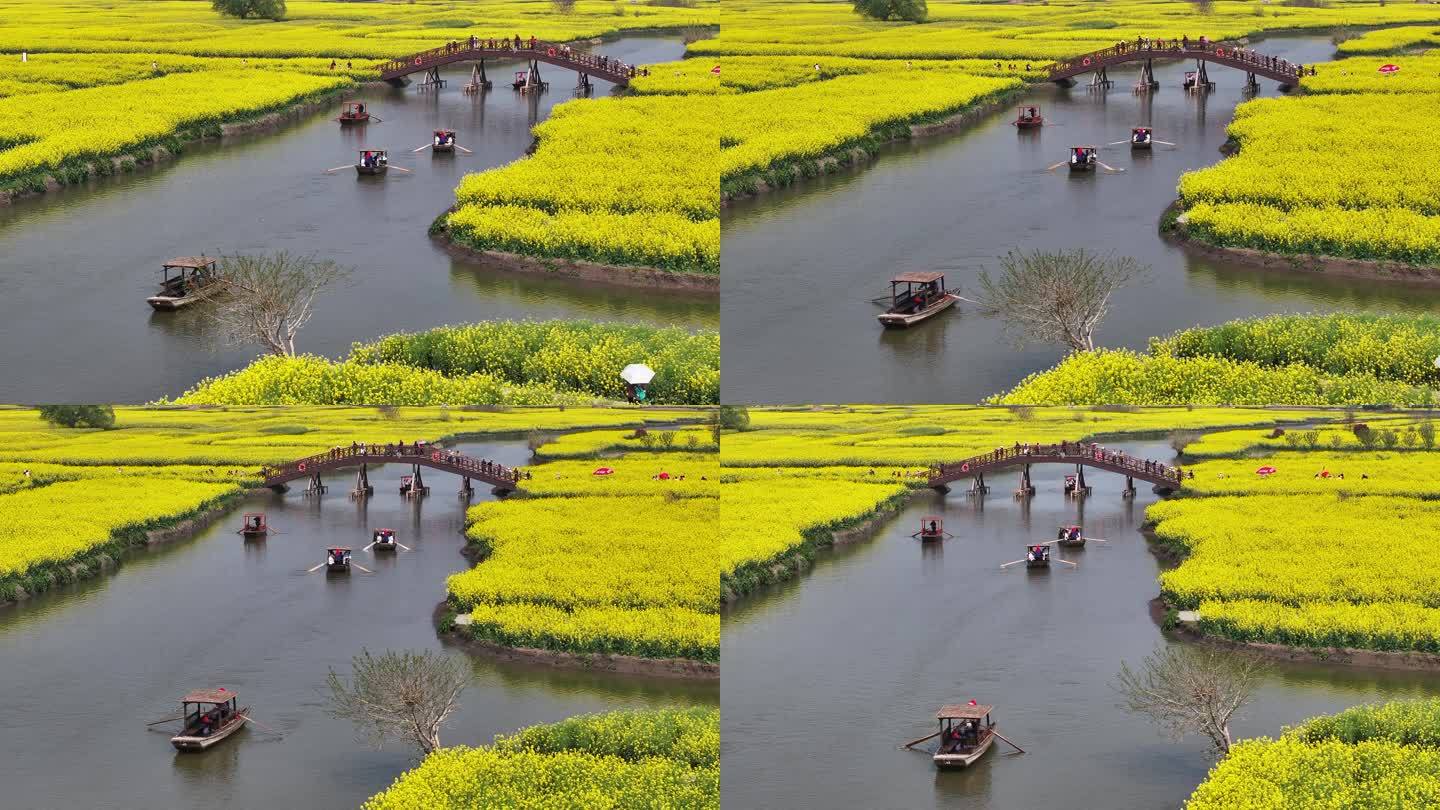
pixel 1076 451
pixel 360 453
pixel 1236 57
pixel 580 60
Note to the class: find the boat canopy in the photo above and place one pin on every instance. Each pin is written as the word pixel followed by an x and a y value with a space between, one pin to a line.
pixel 917 277
pixel 338 549
pixel 191 262
pixel 963 711
pixel 217 695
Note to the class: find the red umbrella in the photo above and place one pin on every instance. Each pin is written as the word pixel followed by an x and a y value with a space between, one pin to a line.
pixel 664 476
pixel 1266 470
pixel 1389 68
pixel 603 471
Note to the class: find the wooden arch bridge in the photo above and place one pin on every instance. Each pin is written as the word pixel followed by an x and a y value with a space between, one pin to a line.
pixel 1081 454
pixel 1147 51
pixel 476 49
pixel 502 480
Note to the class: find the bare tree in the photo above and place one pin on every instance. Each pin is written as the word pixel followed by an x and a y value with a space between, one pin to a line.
pixel 407 695
pixel 268 299
pixel 1056 297
pixel 1191 690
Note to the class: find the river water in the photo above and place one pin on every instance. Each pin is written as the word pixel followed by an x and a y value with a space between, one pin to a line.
pixel 77 265
pixel 84 668
pixel 801 265
pixel 826 676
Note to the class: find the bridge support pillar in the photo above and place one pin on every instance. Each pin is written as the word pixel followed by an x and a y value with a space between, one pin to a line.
pixel 583 85
pixel 1129 491
pixel 362 483
pixel 417 483
pixel 432 80
pixel 1147 76
pixel 315 487
pixel 977 485
pixel 1026 489
pixel 1100 80
pixel 465 489
pixel 1081 488
pixel 1251 83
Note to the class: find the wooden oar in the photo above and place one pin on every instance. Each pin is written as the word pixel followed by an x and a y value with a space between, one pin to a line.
pixel 914 743
pixel 1109 168
pixel 399 169
pixel 1167 143
pixel 316 568
pixel 338 168
pixel 166 720
pixel 377 119
pixel 367 548
pixel 1012 745
pixel 402 545
pixel 247 718
pixel 1056 166
pixel 421 149
pixel 463 149
pixel 361 567
pixel 1067 562
pixel 1116 143
pixel 1007 565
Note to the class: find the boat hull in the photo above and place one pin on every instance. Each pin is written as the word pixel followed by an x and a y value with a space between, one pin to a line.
pixel 1035 123
pixel 354 120
pixel 963 759
pixel 391 547
pixel 192 743
pixel 930 538
pixel 901 320
pixel 252 534
pixel 1080 168
pixel 1135 145
pixel 1037 563
pixel 445 150
pixel 1071 543
pixel 371 171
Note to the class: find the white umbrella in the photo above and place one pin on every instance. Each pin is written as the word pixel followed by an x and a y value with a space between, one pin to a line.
pixel 637 374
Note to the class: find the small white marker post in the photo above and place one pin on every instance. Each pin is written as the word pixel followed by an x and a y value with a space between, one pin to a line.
pixel 24 56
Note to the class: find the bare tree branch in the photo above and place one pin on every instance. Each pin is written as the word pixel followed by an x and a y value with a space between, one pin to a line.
pixel 267 300
pixel 407 695
pixel 1055 297
pixel 1191 690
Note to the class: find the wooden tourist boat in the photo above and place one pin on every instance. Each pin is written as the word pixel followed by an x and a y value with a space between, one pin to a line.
pixel 1037 556
pixel 1083 158
pixel 384 540
pixel 1070 537
pixel 193 279
pixel 1028 116
pixel 215 716
pixel 254 525
pixel 966 733
pixel 353 113
pixel 1141 137
pixel 932 528
pixel 372 163
pixel 337 559
pixel 922 296
pixel 443 141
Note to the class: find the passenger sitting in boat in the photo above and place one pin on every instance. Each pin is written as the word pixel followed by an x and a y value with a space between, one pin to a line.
pixel 1074 534
pixel 933 527
pixel 1061 535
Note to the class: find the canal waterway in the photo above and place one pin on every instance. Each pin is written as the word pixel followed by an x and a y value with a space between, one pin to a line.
pixel 85 667
pixel 801 265
pixel 76 265
pixel 826 676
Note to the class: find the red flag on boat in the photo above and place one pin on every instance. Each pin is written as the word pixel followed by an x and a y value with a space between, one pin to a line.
pixel 1389 68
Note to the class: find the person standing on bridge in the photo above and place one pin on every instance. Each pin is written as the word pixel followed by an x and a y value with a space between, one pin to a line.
pixel 472 42
pixel 532 42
